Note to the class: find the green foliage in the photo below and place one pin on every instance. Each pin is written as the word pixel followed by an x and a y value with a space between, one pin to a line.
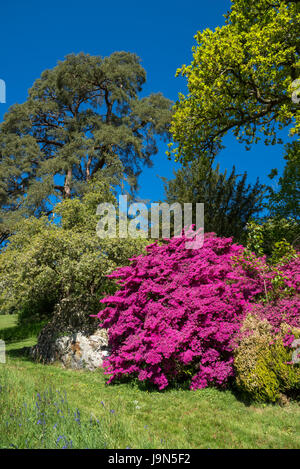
pixel 82 119
pixel 60 269
pixel 277 238
pixel 229 202
pixel 285 201
pixel 263 364
pixel 241 79
pixel 271 274
pixel 282 252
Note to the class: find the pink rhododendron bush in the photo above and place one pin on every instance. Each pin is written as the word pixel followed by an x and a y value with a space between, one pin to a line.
pixel 282 311
pixel 179 311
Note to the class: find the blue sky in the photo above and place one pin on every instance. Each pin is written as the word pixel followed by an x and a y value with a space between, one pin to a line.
pixel 35 35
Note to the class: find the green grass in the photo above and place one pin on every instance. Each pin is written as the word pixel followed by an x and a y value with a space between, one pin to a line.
pixel 141 419
pixel 8 320
pixel 10 331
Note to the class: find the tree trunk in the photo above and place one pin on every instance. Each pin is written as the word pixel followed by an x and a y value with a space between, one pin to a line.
pixel 67 185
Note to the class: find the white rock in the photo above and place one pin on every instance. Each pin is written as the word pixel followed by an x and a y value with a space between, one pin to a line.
pixel 78 351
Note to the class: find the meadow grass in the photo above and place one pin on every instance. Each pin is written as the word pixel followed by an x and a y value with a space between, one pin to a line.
pixel 128 415
pixel 7 321
pixel 10 331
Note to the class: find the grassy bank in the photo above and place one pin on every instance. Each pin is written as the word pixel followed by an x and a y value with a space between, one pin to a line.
pixel 11 332
pixel 125 415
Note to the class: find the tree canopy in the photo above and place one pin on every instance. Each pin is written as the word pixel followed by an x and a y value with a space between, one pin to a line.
pixel 285 202
pixel 229 201
pixel 241 79
pixel 82 117
pixel 57 269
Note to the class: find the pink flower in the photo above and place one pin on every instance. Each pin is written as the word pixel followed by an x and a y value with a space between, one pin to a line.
pixel 181 309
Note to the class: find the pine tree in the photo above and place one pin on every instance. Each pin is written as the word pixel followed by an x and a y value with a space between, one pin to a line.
pixel 81 119
pixel 285 202
pixel 229 202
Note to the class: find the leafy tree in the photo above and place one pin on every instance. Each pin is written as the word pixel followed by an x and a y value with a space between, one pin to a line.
pixel 273 237
pixel 286 201
pixel 56 271
pixel 81 117
pixel 241 79
pixel 229 202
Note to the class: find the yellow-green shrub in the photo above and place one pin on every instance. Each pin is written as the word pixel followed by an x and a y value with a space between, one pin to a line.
pixel 263 363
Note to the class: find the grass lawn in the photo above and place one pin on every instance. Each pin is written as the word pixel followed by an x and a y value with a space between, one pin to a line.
pixel 8 320
pixel 41 404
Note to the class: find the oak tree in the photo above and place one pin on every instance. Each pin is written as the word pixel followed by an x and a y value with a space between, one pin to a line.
pixel 242 79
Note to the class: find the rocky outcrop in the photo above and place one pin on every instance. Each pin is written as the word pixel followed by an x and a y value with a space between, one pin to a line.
pixel 79 351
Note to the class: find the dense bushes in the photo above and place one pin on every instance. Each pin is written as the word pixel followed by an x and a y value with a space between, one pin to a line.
pixel 263 366
pixel 179 312
pixel 274 237
pixel 56 270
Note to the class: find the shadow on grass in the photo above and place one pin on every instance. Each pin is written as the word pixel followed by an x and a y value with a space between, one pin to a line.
pixel 19 333
pixel 248 401
pixel 184 385
pixel 22 353
pixel 243 397
pixel 146 386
